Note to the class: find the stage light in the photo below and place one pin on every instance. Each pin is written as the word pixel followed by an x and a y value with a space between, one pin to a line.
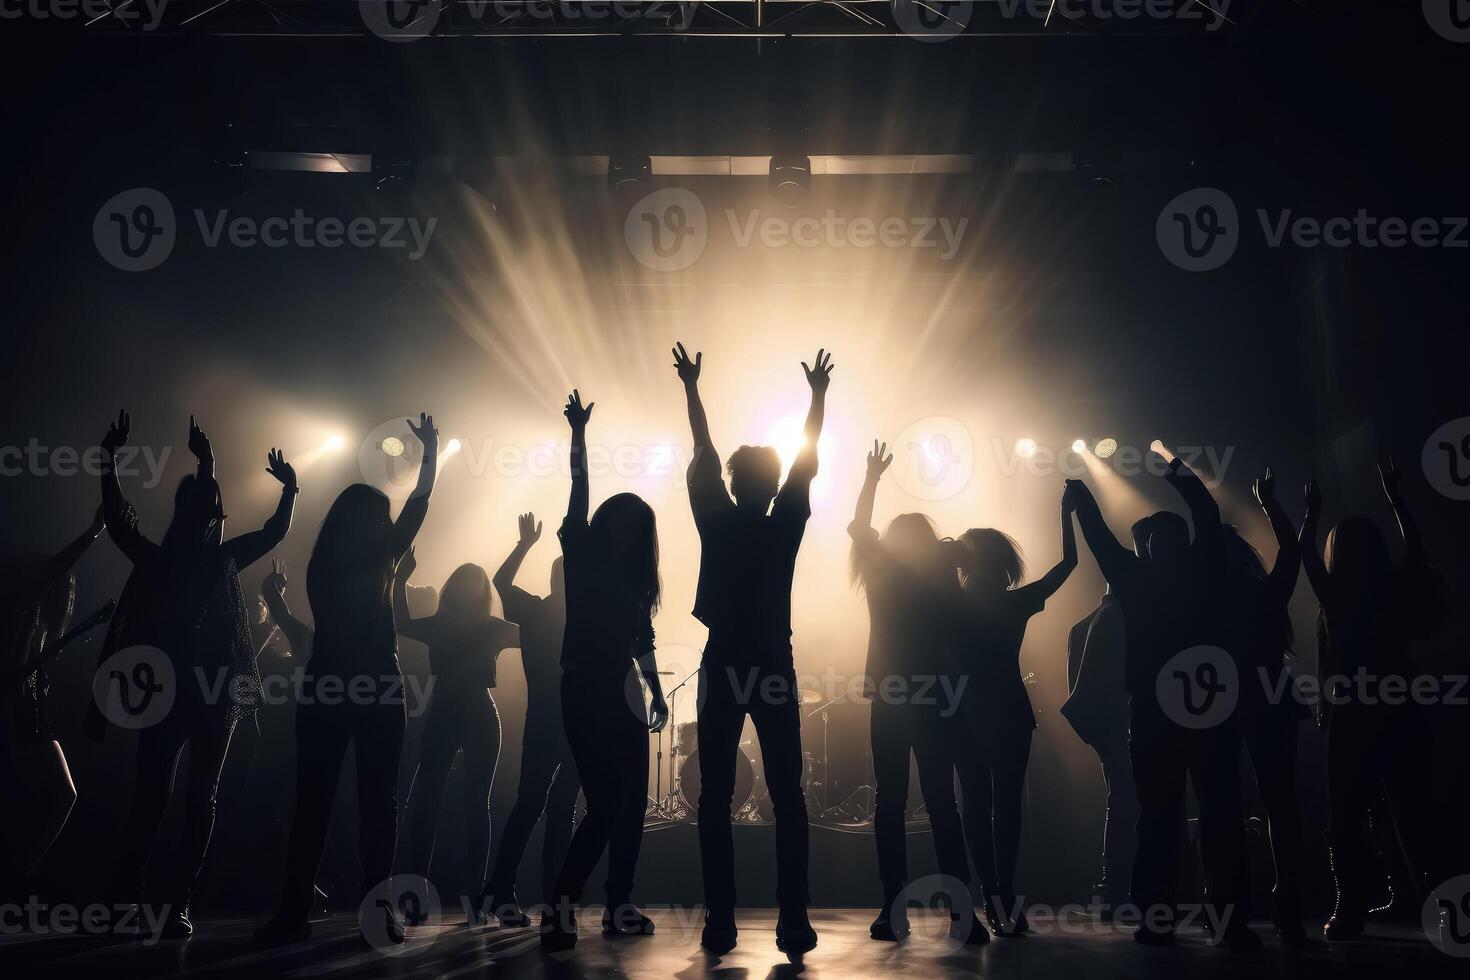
pixel 1079 446
pixel 453 446
pixel 392 446
pixel 1026 447
pixel 335 443
pixel 1105 447
pixel 791 178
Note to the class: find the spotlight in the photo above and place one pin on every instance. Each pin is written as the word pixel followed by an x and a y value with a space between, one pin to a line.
pixel 1079 446
pixel 335 443
pixel 392 446
pixel 1105 447
pixel 628 174
pixel 791 178
pixel 453 446
pixel 1026 447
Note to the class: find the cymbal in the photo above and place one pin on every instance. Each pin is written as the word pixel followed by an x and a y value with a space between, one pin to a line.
pixel 804 696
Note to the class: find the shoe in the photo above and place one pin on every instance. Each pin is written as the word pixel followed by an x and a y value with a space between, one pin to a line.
pixel 177 925
pixel 558 928
pixel 889 927
pixel 622 918
pixel 794 933
pixel 1345 857
pixel 719 932
pixel 971 932
pixel 1023 924
pixel 1287 917
pixel 1153 937
pixel 282 932
pixel 504 907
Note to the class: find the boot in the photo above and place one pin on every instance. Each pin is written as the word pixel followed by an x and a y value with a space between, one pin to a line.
pixel 892 923
pixel 559 927
pixel 1286 908
pixel 794 932
pixel 504 905
pixel 719 932
pixel 622 918
pixel 1345 855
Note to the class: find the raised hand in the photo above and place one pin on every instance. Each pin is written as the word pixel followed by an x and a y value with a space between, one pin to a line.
pixel 1389 477
pixel 1265 488
pixel 879 460
pixel 406 565
pixel 199 443
pixel 117 432
pixel 425 432
pixel 1072 491
pixel 530 529
pixel 1314 497
pixel 277 467
pixel 820 375
pixel 688 370
pixel 577 416
pixel 276 580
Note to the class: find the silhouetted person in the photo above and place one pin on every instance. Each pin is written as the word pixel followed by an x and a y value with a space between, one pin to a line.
pixel 908 577
pixel 464 640
pixel 747 562
pixel 1097 709
pixel 1260 638
pixel 548 782
pixel 353 693
pixel 1371 610
pixel 184 598
pixel 37 595
pixel 612 593
pixel 1174 601
pixel 995 710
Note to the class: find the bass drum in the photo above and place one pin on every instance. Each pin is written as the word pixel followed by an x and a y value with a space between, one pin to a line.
pixel 744 781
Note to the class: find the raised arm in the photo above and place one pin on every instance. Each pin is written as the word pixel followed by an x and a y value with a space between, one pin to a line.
pixel 273 594
pixel 62 562
pixel 249 548
pixel 704 445
pixel 505 576
pixel 878 462
pixel 411 518
pixel 819 376
pixel 1281 583
pixel 1115 561
pixel 1204 511
pixel 1045 587
pixel 577 418
pixel 403 621
pixel 1414 552
pixel 1311 558
pixel 117 513
pixel 203 452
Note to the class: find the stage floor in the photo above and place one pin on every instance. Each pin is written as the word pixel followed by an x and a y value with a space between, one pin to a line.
pixel 1072 947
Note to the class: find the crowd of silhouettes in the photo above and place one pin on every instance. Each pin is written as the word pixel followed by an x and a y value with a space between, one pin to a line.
pixel 948 617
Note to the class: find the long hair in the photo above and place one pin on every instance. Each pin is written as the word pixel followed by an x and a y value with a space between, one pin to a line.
pixel 994 554
pixel 1357 554
pixel 912 539
pixel 198 511
pixel 628 530
pixel 466 594
pixel 355 530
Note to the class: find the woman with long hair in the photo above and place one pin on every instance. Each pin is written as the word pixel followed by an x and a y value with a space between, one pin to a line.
pixel 464 640
pixel 1260 641
pixel 1371 611
pixel 353 694
pixel 908 577
pixel 995 715
pixel 612 586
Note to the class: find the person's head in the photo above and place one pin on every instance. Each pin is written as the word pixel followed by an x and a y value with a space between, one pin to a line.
pixel 466 593
pixel 199 513
pixel 355 529
pixel 995 561
pixel 628 530
pixel 913 541
pixel 1168 537
pixel 558 576
pixel 1241 557
pixel 1140 535
pixel 1357 553
pixel 755 475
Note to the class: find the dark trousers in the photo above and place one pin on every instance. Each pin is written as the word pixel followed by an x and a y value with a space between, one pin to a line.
pixel 457 720
pixel 548 784
pixel 323 734
pixel 1270 737
pixel 608 736
pixel 206 730
pixel 895 730
pixel 1163 755
pixel 1120 823
pixel 993 781
pixel 726 695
